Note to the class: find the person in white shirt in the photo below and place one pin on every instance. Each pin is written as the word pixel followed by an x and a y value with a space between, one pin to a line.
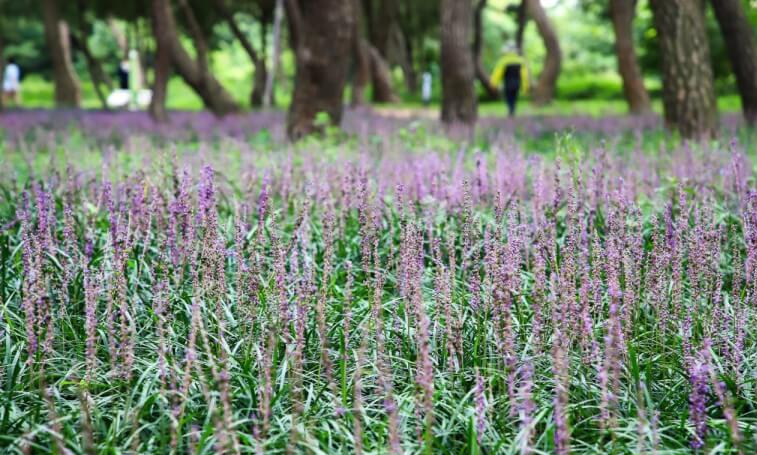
pixel 426 87
pixel 11 82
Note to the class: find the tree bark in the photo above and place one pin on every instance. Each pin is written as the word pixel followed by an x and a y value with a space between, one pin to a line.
pixel 361 57
pixel 194 72
pixel 162 60
pixel 622 13
pixel 67 90
pixel 404 51
pixel 258 85
pixel 481 74
pixel 522 20
pixel 738 35
pixel 96 73
pixel 362 74
pixel 278 12
pixel 381 77
pixel 381 25
pixel 458 92
pixel 325 32
pixel 120 37
pixel 688 92
pixel 546 85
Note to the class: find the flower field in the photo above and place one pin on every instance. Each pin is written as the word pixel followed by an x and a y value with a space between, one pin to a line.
pixel 192 291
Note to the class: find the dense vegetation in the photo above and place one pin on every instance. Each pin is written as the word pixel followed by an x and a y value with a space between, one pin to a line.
pixel 376 292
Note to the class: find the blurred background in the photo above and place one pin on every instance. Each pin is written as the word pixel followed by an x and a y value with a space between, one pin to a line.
pixel 235 55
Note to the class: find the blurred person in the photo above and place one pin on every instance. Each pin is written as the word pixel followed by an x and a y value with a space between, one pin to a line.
pixel 11 82
pixel 123 75
pixel 426 81
pixel 510 73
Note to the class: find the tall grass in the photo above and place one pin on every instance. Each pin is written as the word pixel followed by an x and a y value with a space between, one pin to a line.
pixel 382 300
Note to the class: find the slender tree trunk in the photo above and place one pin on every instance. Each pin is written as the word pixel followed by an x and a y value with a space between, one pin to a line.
pixel 362 57
pixel 120 36
pixel 278 12
pixel 546 85
pixel 67 90
pixel 622 13
pixel 738 34
pixel 522 20
pixel 258 85
pixel 362 76
pixel 162 60
pixel 95 69
pixel 458 92
pixel 381 77
pixel 194 72
pixel 325 32
pixel 688 92
pixel 404 49
pixel 481 74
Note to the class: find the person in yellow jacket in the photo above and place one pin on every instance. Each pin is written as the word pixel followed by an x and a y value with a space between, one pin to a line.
pixel 511 74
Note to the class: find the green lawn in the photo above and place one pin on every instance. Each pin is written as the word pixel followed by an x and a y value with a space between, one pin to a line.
pixel 38 93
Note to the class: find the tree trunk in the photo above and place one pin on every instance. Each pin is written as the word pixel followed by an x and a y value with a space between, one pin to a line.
pixel 258 85
pixel 278 12
pixel 361 57
pixel 194 72
pixel 405 55
pixel 622 13
pixel 381 77
pixel 95 69
pixel 546 85
pixel 381 25
pixel 362 76
pixel 120 36
pixel 491 91
pixel 325 32
pixel 162 60
pixel 522 20
pixel 458 91
pixel 738 35
pixel 688 92
pixel 67 90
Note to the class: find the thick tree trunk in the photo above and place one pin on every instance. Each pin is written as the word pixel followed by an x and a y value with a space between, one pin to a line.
pixel 458 91
pixel 481 74
pixel 381 77
pixel 738 34
pixel 195 73
pixel 688 92
pixel 546 85
pixel 162 60
pixel 325 32
pixel 258 85
pixel 67 90
pixel 622 13
pixel 278 12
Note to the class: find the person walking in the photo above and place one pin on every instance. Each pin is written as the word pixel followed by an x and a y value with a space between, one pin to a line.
pixel 510 69
pixel 426 87
pixel 11 82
